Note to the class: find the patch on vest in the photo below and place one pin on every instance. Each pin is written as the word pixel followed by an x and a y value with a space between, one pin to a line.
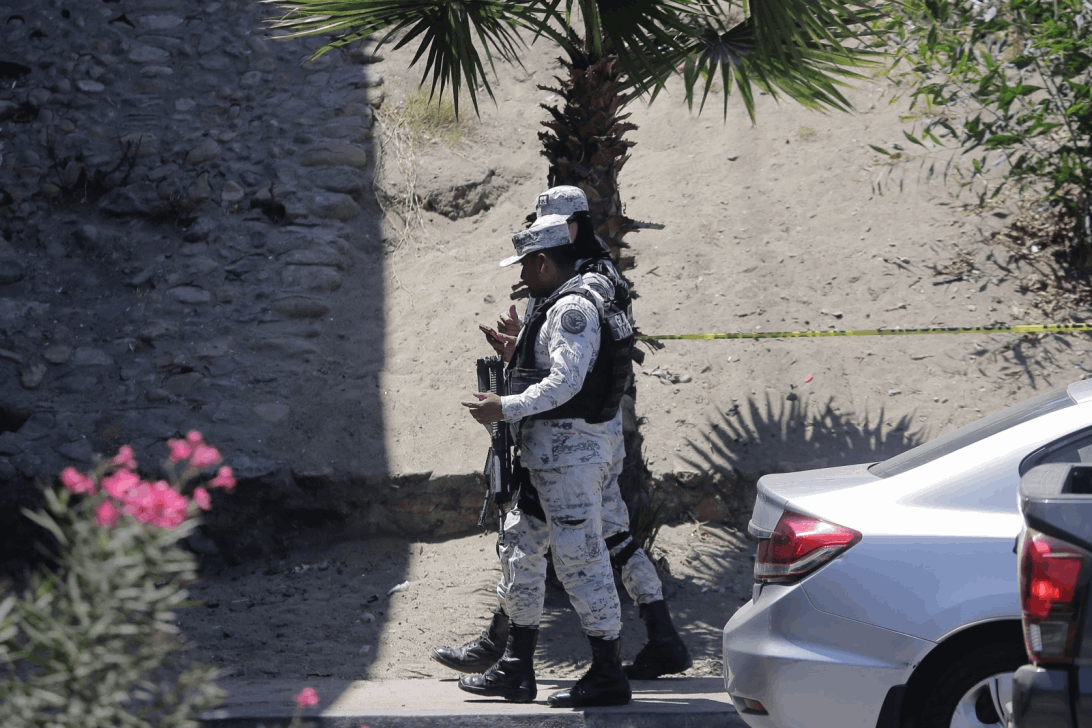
pixel 574 321
pixel 600 288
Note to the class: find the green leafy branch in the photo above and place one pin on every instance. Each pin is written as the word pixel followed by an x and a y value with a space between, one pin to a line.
pixel 1020 71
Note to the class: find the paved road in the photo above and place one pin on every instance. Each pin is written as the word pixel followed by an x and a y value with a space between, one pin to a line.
pixel 669 703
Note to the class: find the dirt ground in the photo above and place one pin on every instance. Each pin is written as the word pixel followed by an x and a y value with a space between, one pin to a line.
pixel 375 609
pixel 773 227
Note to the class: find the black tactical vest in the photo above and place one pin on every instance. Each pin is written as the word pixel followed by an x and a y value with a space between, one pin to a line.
pixel 601 394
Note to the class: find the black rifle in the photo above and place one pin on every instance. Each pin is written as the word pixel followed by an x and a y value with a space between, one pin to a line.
pixel 498 463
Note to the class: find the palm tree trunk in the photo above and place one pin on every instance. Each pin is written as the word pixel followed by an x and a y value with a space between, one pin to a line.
pixel 585 145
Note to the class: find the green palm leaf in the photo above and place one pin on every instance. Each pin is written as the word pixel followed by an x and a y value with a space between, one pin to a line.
pixel 804 48
pixel 446 32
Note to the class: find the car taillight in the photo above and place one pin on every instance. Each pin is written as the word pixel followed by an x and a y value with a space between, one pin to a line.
pixel 800 544
pixel 1050 597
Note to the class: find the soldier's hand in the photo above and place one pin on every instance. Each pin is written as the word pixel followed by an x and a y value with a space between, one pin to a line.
pixel 503 344
pixel 485 407
pixel 509 324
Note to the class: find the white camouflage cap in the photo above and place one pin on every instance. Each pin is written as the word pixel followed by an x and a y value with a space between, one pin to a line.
pixel 549 231
pixel 563 200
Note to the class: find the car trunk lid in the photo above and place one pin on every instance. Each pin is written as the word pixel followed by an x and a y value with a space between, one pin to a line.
pixel 776 491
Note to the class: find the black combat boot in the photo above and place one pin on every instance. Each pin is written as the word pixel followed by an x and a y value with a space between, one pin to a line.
pixel 513 675
pixel 478 655
pixel 603 684
pixel 665 653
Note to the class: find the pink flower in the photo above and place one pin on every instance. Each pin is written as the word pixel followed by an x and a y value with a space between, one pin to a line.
pixel 77 482
pixel 118 483
pixel 180 450
pixel 125 458
pixel 139 502
pixel 204 456
pixel 106 514
pixel 170 505
pixel 158 504
pixel 194 437
pixel 224 479
pixel 306 698
pixel 201 498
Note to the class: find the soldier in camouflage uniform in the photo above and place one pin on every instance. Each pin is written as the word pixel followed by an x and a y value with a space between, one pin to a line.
pixel 569 464
pixel 665 652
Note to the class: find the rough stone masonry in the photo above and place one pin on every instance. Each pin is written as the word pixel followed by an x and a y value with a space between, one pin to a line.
pixel 188 240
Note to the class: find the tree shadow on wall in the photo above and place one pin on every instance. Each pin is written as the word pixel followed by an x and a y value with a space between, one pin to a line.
pixel 749 441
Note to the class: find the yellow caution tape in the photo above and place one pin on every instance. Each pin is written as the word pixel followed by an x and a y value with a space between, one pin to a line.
pixel 1027 329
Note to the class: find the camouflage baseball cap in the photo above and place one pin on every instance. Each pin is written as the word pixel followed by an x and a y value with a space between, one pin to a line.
pixel 563 200
pixel 549 231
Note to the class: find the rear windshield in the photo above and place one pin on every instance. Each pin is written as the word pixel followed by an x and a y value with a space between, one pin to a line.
pixel 972 433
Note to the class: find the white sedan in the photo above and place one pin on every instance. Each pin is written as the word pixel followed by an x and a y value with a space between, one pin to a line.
pixel 886 595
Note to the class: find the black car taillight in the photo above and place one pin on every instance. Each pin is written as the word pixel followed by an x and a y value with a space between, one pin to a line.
pixel 800 544
pixel 1051 572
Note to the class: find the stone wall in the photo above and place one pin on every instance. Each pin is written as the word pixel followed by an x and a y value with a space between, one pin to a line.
pixel 189 239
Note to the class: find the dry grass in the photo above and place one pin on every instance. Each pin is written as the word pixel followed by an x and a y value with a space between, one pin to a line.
pixel 434 119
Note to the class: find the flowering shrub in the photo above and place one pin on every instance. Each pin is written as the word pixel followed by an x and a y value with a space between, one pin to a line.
pixel 92 644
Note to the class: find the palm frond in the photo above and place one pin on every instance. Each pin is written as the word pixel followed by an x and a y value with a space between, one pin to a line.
pixel 808 67
pixel 648 36
pixel 445 32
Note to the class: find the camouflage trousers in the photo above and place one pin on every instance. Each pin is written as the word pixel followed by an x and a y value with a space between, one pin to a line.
pixel 572 500
pixel 639 576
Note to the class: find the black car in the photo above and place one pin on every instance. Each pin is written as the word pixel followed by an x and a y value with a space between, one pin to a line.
pixel 1055 558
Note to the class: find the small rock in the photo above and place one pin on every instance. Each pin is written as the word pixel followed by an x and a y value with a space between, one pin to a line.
pixel 299 307
pixel 11 271
pixel 156 395
pixel 274 412
pixel 232 192
pixel 214 348
pixel 149 54
pixel 160 22
pixel 87 356
pixel 199 191
pixel 318 255
pixel 334 153
pixel 311 277
pixel 189 294
pixel 206 151
pixel 31 376
pixel 78 451
pixel 181 383
pixel 10 444
pixel 199 230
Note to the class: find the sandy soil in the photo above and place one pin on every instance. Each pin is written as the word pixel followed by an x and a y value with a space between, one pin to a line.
pixel 375 609
pixel 773 227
